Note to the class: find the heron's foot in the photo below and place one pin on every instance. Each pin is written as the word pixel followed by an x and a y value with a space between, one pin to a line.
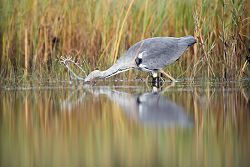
pixel 162 87
pixel 168 76
pixel 166 88
pixel 162 79
pixel 157 82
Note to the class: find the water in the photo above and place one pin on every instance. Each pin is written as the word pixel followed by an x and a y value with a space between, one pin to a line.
pixel 131 125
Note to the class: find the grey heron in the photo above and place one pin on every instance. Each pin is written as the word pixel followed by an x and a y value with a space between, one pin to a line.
pixel 150 55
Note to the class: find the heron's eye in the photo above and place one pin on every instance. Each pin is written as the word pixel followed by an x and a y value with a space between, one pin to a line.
pixel 138 61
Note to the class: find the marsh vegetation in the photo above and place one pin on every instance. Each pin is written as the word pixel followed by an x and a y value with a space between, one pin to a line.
pixel 35 34
pixel 45 120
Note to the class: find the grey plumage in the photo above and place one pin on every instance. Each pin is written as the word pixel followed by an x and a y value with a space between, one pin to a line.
pixel 151 55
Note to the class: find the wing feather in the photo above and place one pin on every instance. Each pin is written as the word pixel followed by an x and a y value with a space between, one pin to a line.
pixel 158 52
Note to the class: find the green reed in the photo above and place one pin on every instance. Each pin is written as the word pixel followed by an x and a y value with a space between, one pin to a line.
pixel 35 34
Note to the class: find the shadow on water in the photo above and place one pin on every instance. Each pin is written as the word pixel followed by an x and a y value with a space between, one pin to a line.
pixel 76 125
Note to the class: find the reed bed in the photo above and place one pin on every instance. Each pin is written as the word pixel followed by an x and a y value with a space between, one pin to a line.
pixel 35 34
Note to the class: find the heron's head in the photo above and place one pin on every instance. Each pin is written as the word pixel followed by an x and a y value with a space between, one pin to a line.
pixel 93 75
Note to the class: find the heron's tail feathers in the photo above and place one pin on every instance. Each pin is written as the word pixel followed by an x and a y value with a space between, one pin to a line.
pixel 187 40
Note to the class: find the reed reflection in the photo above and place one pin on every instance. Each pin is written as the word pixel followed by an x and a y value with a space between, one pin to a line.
pixel 122 126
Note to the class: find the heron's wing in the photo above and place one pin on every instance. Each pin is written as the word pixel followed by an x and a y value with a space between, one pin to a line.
pixel 159 52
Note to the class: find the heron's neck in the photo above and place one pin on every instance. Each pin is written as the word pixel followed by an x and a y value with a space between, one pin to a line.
pixel 108 73
pixel 113 70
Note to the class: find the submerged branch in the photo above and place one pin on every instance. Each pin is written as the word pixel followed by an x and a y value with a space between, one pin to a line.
pixel 66 60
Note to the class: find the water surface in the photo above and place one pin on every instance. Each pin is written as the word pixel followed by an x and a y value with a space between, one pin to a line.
pixel 130 125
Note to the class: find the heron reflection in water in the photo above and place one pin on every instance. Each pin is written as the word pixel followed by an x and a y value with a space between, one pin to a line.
pixel 148 108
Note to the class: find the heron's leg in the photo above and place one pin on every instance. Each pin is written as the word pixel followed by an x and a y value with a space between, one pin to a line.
pixel 167 87
pixel 154 77
pixel 161 77
pixel 167 75
pixel 156 82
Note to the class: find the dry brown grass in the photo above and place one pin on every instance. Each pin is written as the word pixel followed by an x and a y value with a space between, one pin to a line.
pixel 35 33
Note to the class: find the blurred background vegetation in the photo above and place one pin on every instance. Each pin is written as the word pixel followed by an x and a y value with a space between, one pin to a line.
pixel 36 33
